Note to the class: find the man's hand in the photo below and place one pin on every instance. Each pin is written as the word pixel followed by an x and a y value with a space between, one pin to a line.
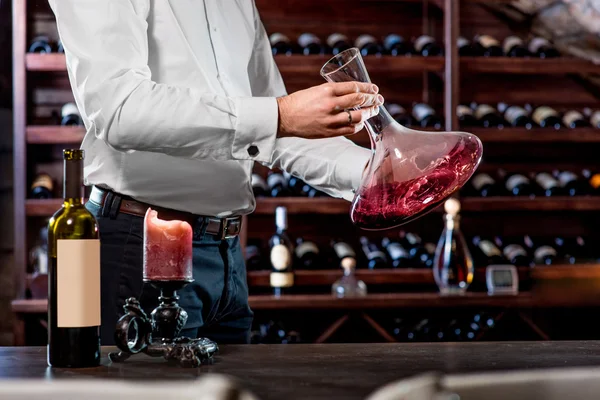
pixel 320 112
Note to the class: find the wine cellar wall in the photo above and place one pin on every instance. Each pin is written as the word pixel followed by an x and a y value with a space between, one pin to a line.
pixel 428 83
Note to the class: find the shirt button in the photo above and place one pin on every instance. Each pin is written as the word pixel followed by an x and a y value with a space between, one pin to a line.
pixel 253 151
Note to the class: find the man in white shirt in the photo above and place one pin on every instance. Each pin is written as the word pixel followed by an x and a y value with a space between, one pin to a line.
pixel 179 99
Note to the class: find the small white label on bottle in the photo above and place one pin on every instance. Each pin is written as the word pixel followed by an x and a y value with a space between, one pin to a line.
pixel 487 41
pixel 572 116
pixel 258 181
pixel 276 179
pixel 537 43
pixel 395 109
pixel 308 38
pixel 78 283
pixel 541 113
pixel 423 41
pixel 489 248
pixel 335 38
pixel 69 109
pixel 281 279
pixel 595 119
pixel 546 181
pixel 544 251
pixel 480 180
pixel 515 181
pixel 281 259
pixel 566 177
pixel 343 250
pixel 278 37
pixel 511 42
pixel 462 41
pixel 513 250
pixel 462 110
pixel 306 247
pixel 512 113
pixel 376 254
pixel 421 111
pixel 396 251
pixel 363 40
pixel 484 109
pixel 43 180
pixel 413 238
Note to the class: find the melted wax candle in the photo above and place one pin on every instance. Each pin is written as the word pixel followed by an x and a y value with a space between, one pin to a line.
pixel 167 249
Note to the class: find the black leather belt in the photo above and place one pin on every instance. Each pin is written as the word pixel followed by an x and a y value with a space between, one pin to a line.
pixel 113 203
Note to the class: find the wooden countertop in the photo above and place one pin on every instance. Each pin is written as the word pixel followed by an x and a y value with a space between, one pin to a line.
pixel 346 371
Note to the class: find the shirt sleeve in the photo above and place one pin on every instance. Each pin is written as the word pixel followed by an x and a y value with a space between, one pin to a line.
pixel 335 165
pixel 106 46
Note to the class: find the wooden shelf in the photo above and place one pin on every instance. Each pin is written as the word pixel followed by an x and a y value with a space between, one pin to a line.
pixel 515 65
pixel 491 204
pixel 302 205
pixel 512 135
pixel 45 62
pixel 54 134
pixel 42 208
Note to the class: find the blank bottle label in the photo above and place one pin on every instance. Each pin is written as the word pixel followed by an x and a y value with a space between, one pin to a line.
pixel 258 181
pixel 595 119
pixel 343 250
pixel 462 42
pixel 463 110
pixel 537 43
pixel 308 38
pixel 513 112
pixel 546 181
pixel 278 37
pixel 572 116
pixel 514 250
pixel 276 179
pixel 306 247
pixel 480 180
pixel 511 42
pixel 363 40
pixel 541 113
pixel 489 248
pixel 544 251
pixel 487 41
pixel 281 279
pixel 78 283
pixel 566 177
pixel 421 111
pixel 423 41
pixel 69 109
pixel 376 254
pixel 395 109
pixel 413 238
pixel 483 110
pixel 515 181
pixel 396 251
pixel 44 181
pixel 281 259
pixel 335 38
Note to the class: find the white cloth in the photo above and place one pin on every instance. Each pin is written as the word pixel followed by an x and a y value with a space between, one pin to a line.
pixel 174 92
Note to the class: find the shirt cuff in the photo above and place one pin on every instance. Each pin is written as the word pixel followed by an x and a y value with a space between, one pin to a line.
pixel 349 169
pixel 256 128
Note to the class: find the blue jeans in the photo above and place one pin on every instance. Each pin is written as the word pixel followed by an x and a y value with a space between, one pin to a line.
pixel 217 300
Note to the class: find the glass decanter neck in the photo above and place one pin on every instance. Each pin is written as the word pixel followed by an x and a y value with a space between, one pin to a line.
pixel 377 124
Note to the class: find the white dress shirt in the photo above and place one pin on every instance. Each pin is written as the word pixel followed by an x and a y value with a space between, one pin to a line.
pixel 174 94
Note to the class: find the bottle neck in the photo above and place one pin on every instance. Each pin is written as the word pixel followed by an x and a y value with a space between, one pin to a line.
pixel 73 182
pixel 452 222
pixel 377 124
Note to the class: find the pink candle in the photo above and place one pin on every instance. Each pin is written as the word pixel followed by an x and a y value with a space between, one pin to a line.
pixel 167 249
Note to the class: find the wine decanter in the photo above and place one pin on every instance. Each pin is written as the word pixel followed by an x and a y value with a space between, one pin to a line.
pixel 410 172
pixel 349 285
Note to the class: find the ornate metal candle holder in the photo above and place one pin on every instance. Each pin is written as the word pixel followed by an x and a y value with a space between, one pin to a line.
pixel 158 335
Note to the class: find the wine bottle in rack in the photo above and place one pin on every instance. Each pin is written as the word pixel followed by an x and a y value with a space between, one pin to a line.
pixel 399 256
pixel 295 185
pixel 466 116
pixel 574 119
pixel 518 116
pixel 426 117
pixel 73 276
pixel 595 119
pixel 593 179
pixel 547 117
pixel 253 257
pixel 414 244
pixel 543 252
pixel 400 114
pixel 310 44
pixel 488 116
pixel 282 273
pixel 348 285
pixel 514 46
pixel 368 46
pixel 427 46
pixel 571 184
pixel 516 255
pixel 548 184
pixel 338 43
pixel 281 45
pixel 278 185
pixel 307 254
pixel 566 249
pixel 343 251
pixel 486 186
pixel 41 45
pixel 259 186
pixel 487 46
pixel 70 115
pixel 490 252
pixel 42 187
pixel 396 45
pixel 519 185
pixel 60 48
pixel 465 48
pixel 376 259
pixel 541 47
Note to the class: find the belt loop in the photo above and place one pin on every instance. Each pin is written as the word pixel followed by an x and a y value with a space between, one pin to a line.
pixel 199 228
pixel 115 206
pixel 106 204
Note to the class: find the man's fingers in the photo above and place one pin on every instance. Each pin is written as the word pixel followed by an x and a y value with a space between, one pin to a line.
pixel 358 100
pixel 358 117
pixel 344 88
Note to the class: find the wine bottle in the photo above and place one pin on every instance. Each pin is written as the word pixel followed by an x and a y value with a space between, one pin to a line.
pixel 571 184
pixel 465 49
pixel 281 44
pixel 400 114
pixel 427 46
pixel 70 115
pixel 486 186
pixel 73 275
pixel 395 45
pixel 310 44
pixel 42 187
pixel 348 285
pixel 430 248
pixel 514 46
pixel 593 179
pixel 518 116
pixel 574 250
pixel 399 329
pixel 454 331
pixel 253 257
pixel 491 252
pixel 488 116
pixel 368 46
pixel 282 272
pixel 398 254
pixel 453 264
pixel 375 257
pixel 307 254
pixel 60 48
pixel 541 47
pixel 516 255
pixel 487 46
pixel 545 255
pixel 259 186
pixel 519 185
pixel 549 186
pixel 466 116
pixel 595 119
pixel 414 244
pixel 278 185
pixel 41 45
pixel 547 117
pixel 574 119
pixel 296 186
pixel 426 117
pixel 415 333
pixel 338 43
pixel 344 254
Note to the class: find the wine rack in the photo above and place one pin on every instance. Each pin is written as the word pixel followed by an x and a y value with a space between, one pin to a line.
pixel 443 82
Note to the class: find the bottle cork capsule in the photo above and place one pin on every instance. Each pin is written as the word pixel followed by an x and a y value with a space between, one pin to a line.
pixel 452 206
